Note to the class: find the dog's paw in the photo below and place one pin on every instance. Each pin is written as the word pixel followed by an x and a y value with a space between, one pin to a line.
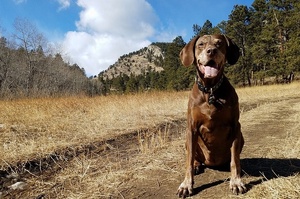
pixel 237 186
pixel 185 189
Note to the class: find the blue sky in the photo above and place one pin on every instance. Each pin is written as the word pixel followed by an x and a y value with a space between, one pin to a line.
pixel 94 33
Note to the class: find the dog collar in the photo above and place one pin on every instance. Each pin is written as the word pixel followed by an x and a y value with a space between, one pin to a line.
pixel 210 90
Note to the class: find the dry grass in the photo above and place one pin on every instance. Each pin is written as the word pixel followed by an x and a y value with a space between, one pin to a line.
pixel 284 115
pixel 37 127
pixel 256 96
pixel 33 129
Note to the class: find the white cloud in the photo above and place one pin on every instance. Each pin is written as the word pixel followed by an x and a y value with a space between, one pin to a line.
pixel 64 4
pixel 108 29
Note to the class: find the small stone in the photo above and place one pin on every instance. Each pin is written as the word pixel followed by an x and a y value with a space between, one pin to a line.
pixel 2 127
pixel 18 186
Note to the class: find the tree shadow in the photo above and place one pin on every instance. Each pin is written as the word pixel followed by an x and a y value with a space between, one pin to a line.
pixel 265 168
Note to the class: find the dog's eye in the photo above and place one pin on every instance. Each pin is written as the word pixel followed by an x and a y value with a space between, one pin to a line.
pixel 218 44
pixel 201 44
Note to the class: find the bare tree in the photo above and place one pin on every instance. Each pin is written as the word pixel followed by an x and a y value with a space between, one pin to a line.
pixel 28 38
pixel 27 35
pixel 27 70
pixel 5 57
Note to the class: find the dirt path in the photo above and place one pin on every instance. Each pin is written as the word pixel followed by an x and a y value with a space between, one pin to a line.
pixel 150 164
pixel 264 129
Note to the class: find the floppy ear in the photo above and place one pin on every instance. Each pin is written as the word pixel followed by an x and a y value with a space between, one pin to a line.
pixel 187 53
pixel 232 51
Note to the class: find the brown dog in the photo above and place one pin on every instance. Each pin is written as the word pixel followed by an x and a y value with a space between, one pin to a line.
pixel 213 136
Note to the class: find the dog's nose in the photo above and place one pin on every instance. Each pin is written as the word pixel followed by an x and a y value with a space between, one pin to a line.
pixel 211 51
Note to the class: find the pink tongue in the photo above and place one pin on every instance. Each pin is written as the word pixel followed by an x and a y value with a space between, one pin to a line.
pixel 210 71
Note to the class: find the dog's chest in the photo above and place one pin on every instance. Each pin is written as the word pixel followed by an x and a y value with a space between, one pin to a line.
pixel 211 113
pixel 214 123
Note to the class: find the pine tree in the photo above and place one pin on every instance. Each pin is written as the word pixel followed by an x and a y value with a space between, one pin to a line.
pixel 238 29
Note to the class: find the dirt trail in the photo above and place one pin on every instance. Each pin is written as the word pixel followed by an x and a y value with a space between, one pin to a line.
pixel 157 173
pixel 263 136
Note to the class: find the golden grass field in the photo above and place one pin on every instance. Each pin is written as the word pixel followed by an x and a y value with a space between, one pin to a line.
pixel 132 146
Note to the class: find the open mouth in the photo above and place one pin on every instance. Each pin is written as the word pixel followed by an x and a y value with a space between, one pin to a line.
pixel 209 69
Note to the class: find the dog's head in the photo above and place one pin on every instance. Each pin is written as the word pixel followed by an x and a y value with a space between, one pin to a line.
pixel 209 53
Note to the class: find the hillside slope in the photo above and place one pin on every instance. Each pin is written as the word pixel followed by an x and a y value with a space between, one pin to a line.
pixel 145 60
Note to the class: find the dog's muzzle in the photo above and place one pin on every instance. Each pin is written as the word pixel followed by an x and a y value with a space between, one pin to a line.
pixel 209 70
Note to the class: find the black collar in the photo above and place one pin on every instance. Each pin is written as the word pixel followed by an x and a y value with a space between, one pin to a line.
pixel 210 90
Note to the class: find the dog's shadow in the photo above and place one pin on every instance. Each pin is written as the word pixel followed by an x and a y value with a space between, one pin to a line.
pixel 268 168
pixel 264 168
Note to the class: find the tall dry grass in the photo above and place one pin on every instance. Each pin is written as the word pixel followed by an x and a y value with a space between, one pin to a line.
pixel 32 129
pixel 270 93
pixel 36 127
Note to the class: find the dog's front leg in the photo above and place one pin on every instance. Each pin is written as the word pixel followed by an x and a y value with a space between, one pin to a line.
pixel 186 187
pixel 236 184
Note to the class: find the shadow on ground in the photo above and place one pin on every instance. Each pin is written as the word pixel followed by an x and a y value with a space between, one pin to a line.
pixel 269 168
pixel 264 168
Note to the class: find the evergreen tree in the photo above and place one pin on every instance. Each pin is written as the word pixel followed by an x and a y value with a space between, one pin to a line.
pixel 132 84
pixel 206 29
pixel 238 29
pixel 173 66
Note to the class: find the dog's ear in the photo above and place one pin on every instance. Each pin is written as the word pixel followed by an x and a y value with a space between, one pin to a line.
pixel 187 53
pixel 232 52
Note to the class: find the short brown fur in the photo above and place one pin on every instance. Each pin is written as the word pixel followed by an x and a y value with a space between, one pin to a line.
pixel 213 136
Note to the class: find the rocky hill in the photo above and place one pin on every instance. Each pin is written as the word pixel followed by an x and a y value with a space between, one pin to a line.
pixel 145 60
